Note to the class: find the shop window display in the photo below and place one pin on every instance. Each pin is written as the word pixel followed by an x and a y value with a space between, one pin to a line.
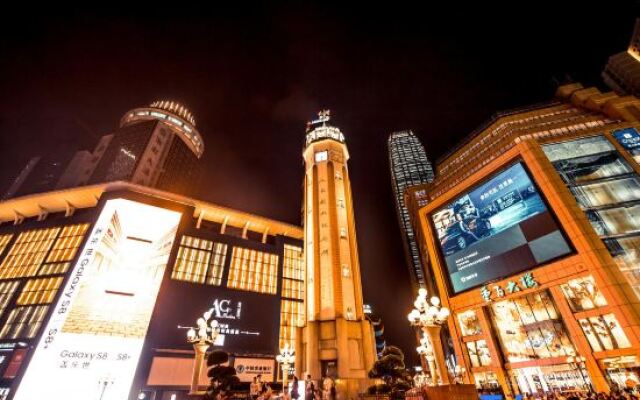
pixel 560 377
pixel 582 294
pixel 529 328
pixel 486 380
pixel 469 323
pixel 623 371
pixel 479 353
pixel 604 333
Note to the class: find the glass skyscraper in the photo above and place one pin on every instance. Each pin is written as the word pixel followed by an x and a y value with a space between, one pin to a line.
pixel 409 166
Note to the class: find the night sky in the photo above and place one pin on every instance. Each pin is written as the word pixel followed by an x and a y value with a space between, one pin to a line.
pixel 253 77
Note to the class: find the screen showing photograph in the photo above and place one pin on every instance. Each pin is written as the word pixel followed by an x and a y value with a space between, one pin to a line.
pixel 497 229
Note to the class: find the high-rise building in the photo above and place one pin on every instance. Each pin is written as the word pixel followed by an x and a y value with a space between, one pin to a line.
pixel 40 174
pixel 157 146
pixel 622 72
pixel 378 328
pixel 409 167
pixel 532 232
pixel 337 339
pixel 95 280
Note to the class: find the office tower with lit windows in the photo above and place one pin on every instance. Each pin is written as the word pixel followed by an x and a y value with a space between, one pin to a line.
pixel 157 146
pixel 532 231
pixel 337 339
pixel 409 167
pixel 622 72
pixel 41 174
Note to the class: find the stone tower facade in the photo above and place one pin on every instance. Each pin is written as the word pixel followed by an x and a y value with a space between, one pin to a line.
pixel 337 340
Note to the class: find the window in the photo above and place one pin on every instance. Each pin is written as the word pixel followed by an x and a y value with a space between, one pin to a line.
pixel 23 322
pixel 293 266
pixel 293 289
pixel 64 250
pixel 469 323
pixel 530 328
pixel 479 353
pixel 582 294
pixel 200 261
pixel 291 317
pixel 608 189
pixel 604 333
pixel 28 253
pixel 321 156
pixel 4 241
pixel 253 270
pixel 39 291
pixel 7 289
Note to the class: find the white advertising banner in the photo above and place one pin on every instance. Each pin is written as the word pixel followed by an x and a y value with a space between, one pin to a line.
pixel 91 345
pixel 248 368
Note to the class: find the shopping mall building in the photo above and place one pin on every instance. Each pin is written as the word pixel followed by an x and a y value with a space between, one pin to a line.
pixel 95 280
pixel 531 231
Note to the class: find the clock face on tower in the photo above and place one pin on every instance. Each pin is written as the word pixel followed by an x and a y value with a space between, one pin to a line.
pixel 321 156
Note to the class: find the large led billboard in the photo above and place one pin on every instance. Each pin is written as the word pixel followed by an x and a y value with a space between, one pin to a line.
pixel 91 345
pixel 497 229
pixel 249 321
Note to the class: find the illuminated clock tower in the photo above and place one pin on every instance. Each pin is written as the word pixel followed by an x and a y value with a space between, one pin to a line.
pixel 337 339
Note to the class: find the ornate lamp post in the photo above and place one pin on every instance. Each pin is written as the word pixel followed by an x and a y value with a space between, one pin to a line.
pixel 577 362
pixel 286 358
pixel 201 337
pixel 429 316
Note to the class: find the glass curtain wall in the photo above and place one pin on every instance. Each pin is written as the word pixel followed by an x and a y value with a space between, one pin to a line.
pixel 608 190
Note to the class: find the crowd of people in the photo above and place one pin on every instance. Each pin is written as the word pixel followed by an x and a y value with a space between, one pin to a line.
pixel 259 390
pixel 626 394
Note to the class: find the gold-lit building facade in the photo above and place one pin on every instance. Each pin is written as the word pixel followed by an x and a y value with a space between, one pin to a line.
pixel 337 339
pixel 95 280
pixel 531 232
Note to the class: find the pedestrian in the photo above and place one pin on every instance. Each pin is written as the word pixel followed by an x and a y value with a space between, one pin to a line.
pixel 294 389
pixel 254 389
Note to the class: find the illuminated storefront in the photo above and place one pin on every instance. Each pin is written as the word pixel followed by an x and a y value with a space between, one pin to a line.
pixel 535 253
pixel 91 297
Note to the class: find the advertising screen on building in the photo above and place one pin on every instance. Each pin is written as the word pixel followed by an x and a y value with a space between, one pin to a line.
pixel 91 345
pixel 249 321
pixel 629 138
pixel 497 229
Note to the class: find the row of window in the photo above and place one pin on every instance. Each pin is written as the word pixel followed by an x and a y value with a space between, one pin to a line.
pixel 37 252
pixel 202 261
pixel 42 251
pixel 292 313
pixel 31 306
pixel 608 189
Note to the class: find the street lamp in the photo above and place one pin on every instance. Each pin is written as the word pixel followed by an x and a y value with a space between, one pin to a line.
pixel 429 316
pixel 577 362
pixel 286 358
pixel 201 337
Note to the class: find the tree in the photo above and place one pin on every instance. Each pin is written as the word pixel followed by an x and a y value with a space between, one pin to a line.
pixel 391 369
pixel 223 378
